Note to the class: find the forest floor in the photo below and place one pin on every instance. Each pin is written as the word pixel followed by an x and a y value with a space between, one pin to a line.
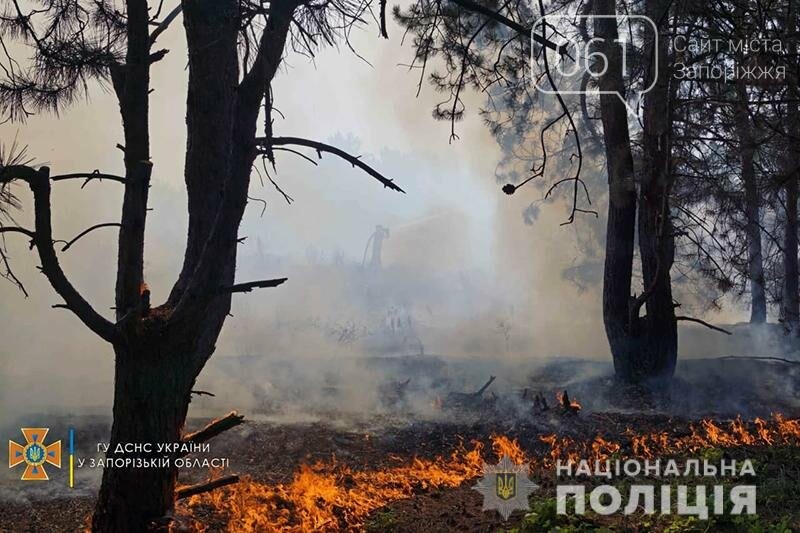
pixel 351 458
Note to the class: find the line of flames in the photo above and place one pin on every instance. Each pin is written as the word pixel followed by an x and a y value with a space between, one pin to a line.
pixel 331 496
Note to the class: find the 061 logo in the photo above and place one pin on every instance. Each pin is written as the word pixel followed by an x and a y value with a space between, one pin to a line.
pixel 580 56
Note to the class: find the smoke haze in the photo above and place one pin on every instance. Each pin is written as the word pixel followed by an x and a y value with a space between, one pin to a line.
pixel 463 276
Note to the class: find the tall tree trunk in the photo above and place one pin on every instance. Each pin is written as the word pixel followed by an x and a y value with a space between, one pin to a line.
pixel 752 200
pixel 151 397
pixel 791 302
pixel 791 299
pixel 132 85
pixel 755 260
pixel 210 114
pixel 158 357
pixel 656 236
pixel 621 224
pixel 644 349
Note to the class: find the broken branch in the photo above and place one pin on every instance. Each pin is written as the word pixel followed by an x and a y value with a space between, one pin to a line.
pixel 88 176
pixel 485 386
pixel 704 323
pixel 762 358
pixel 164 24
pixel 250 285
pixel 192 490
pixel 215 427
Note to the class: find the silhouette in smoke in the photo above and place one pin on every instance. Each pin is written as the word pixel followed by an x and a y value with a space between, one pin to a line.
pixel 376 239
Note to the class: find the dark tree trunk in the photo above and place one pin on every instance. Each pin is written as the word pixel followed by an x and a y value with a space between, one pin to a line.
pixel 132 85
pixel 621 203
pixel 155 370
pixel 151 397
pixel 644 349
pixel 791 302
pixel 755 260
pixel 656 235
pixel 158 353
pixel 210 111
pixel 791 298
pixel 752 201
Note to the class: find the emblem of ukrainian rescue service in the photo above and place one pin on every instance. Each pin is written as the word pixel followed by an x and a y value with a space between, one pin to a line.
pixel 505 487
pixel 34 453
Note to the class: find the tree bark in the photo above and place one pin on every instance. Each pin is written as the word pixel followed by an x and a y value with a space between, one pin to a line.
pixel 791 298
pixel 644 349
pixel 659 352
pixel 158 357
pixel 755 261
pixel 151 398
pixel 132 85
pixel 752 201
pixel 621 222
pixel 210 111
pixel 791 304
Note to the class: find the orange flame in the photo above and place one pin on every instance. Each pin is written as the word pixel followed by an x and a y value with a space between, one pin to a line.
pixel 566 402
pixel 331 496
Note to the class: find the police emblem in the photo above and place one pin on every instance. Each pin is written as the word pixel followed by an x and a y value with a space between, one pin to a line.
pixel 35 453
pixel 505 487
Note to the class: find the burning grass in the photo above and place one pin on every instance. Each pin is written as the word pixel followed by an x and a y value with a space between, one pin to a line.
pixel 329 495
pixel 332 496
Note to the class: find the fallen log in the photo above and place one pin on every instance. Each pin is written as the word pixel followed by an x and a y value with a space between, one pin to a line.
pixel 192 490
pixel 759 358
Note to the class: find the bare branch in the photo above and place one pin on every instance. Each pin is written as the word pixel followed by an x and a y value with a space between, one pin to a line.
pixel 214 428
pixel 22 172
pixel 9 273
pixel 384 33
pixel 89 230
pixel 39 182
pixel 261 200
pixel 523 31
pixel 301 154
pixel 14 229
pixel 286 197
pixel 164 24
pixel 322 147
pixel 704 323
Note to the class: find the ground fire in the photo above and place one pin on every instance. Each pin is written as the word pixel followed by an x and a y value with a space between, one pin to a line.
pixel 330 496
pixel 435 259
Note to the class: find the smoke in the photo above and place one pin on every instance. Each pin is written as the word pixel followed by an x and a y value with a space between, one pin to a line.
pixel 467 289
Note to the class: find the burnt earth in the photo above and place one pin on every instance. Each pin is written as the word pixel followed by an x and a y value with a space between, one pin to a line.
pixel 270 453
